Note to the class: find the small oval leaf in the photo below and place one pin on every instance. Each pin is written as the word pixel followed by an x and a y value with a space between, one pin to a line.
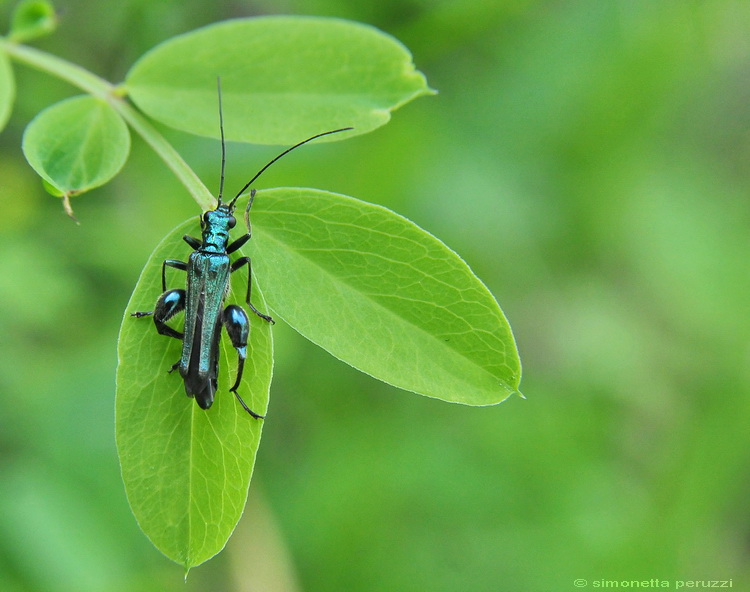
pixel 77 144
pixel 383 295
pixel 32 19
pixel 7 89
pixel 186 471
pixel 283 79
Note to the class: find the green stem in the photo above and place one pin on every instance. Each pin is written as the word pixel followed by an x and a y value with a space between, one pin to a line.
pixel 98 87
pixel 169 155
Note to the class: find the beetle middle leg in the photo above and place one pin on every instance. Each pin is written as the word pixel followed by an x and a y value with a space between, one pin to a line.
pixel 175 263
pixel 169 303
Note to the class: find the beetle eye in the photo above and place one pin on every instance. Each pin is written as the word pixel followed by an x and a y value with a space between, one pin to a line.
pixel 231 222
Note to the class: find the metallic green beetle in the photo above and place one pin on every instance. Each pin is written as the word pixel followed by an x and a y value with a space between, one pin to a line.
pixel 208 276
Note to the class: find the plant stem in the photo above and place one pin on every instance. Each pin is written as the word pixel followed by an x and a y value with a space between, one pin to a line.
pixel 169 155
pixel 100 88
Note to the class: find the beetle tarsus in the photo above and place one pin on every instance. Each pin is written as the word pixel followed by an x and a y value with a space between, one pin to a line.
pixel 246 408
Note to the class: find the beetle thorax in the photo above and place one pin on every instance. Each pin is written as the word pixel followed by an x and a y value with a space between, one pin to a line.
pixel 216 225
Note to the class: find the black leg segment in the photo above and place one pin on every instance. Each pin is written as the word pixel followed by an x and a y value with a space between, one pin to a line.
pixel 168 305
pixel 177 264
pixel 194 243
pixel 235 266
pixel 238 243
pixel 238 328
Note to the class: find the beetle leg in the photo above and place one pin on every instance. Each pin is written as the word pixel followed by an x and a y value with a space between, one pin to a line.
pixel 168 305
pixel 238 243
pixel 194 243
pixel 246 408
pixel 238 328
pixel 235 266
pixel 247 210
pixel 177 264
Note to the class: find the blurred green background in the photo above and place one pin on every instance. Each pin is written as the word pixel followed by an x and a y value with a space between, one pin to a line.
pixel 586 158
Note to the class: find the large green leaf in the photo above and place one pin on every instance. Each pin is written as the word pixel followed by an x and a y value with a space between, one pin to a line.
pixel 77 144
pixel 383 295
pixel 186 470
pixel 283 78
pixel 362 282
pixel 7 89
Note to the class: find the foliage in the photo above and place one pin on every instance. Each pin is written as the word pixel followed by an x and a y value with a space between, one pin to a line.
pixel 407 309
pixel 284 78
pixel 587 159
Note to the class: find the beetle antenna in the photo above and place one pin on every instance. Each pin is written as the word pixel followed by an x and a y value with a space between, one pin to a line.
pixel 287 151
pixel 223 143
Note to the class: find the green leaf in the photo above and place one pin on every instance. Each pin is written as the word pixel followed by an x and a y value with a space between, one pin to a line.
pixel 32 19
pixel 383 295
pixel 77 144
pixel 186 470
pixel 51 189
pixel 7 89
pixel 283 79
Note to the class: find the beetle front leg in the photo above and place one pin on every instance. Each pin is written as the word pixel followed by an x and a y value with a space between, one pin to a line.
pixel 238 328
pixel 247 210
pixel 194 243
pixel 235 266
pixel 238 243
